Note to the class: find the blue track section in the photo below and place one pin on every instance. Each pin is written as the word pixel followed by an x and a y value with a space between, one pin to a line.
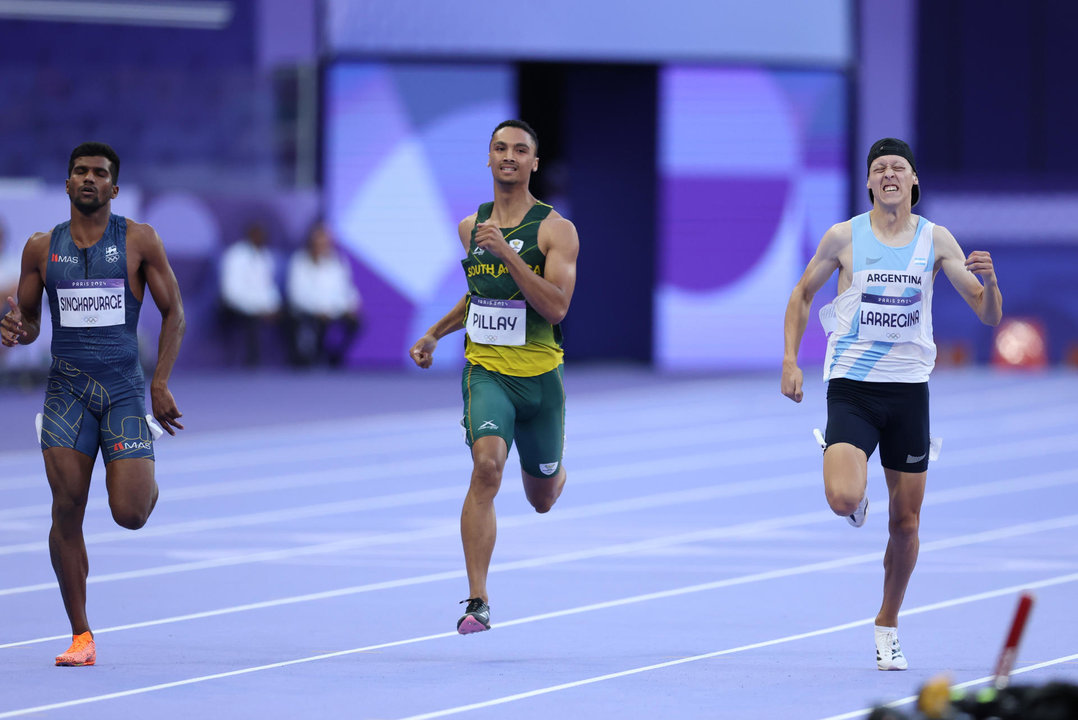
pixel 304 558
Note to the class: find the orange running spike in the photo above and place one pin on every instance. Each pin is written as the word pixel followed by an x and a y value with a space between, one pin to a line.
pixel 82 652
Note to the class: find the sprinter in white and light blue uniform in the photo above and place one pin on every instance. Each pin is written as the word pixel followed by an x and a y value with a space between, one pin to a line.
pixel 880 328
pixel 880 354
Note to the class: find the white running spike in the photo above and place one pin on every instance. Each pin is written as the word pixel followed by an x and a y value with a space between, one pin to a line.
pixel 155 429
pixel 935 444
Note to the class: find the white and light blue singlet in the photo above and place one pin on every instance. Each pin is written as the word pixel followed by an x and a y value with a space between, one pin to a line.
pixel 880 328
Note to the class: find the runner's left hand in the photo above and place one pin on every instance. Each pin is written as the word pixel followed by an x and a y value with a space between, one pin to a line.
pixel 979 262
pixel 165 410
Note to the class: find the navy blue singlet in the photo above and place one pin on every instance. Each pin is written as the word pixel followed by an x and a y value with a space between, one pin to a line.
pixel 96 385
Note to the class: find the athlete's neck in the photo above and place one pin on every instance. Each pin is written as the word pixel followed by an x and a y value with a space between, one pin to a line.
pixel 511 204
pixel 892 223
pixel 86 230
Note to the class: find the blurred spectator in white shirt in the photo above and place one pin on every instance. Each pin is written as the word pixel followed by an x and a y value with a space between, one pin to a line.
pixel 10 265
pixel 28 366
pixel 250 297
pixel 323 301
pixel 10 269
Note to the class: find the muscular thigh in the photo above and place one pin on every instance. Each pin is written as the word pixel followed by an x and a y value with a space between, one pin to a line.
pixel 68 422
pixel 904 441
pixel 82 415
pixel 853 415
pixel 488 406
pixel 540 434
pixel 125 434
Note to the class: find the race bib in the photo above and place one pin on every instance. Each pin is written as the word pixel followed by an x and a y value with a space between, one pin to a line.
pixel 497 322
pixel 889 318
pixel 91 303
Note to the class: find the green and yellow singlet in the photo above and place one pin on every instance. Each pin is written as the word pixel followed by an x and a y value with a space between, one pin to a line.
pixel 488 278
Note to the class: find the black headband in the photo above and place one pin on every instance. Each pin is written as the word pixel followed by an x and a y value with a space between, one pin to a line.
pixel 893 146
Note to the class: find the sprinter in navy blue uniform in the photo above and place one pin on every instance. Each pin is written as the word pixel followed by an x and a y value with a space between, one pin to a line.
pixel 96 268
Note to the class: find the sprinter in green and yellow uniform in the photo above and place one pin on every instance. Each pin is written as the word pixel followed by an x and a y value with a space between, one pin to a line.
pixel 520 262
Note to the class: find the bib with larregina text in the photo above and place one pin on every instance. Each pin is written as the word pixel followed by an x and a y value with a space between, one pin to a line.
pixel 891 318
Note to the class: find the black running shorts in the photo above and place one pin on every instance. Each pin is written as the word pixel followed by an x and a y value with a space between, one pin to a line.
pixel 892 415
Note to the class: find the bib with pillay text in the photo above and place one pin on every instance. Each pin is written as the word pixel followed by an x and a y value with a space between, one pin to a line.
pixel 493 321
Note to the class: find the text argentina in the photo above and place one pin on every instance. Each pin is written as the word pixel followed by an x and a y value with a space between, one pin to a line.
pixel 883 277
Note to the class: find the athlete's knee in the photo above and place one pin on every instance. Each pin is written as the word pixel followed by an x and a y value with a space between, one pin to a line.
pixel 67 518
pixel 542 494
pixel 543 503
pixel 69 484
pixel 487 473
pixel 904 525
pixel 68 509
pixel 130 517
pixel 131 521
pixel 843 501
pixel 68 504
pixel 132 513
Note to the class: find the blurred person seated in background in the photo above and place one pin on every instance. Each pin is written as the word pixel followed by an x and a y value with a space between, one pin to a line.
pixel 250 297
pixel 9 266
pixel 9 283
pixel 323 301
pixel 19 368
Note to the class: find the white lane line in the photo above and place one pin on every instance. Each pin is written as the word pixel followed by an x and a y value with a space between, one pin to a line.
pixel 678 397
pixel 450 529
pixel 659 666
pixel 573 513
pixel 345 448
pixel 962 685
pixel 358 469
pixel 635 469
pixel 732 431
pixel 604 551
pixel 521 621
pixel 304 512
pixel 584 446
pixel 431 533
pixel 641 469
pixel 619 549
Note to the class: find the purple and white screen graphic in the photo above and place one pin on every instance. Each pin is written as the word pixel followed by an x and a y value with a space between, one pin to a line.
pixel 405 156
pixel 752 166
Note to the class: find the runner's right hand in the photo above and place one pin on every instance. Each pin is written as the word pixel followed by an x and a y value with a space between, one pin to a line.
pixel 11 324
pixel 792 377
pixel 423 351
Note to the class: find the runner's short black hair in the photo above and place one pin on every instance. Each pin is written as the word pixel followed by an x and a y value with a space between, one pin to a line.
pixel 518 124
pixel 96 149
